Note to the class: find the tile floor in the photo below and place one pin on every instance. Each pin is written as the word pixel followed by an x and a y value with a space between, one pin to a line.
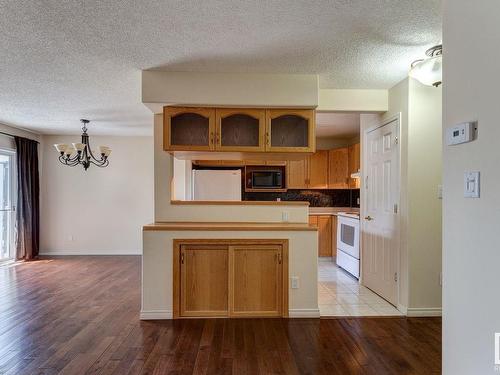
pixel 341 295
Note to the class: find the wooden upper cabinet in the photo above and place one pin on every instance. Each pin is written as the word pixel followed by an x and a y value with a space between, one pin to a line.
pixel 240 129
pixel 290 130
pixel 354 164
pixel 297 173
pixel 318 170
pixel 190 129
pixel 204 281
pixel 338 177
pixel 256 284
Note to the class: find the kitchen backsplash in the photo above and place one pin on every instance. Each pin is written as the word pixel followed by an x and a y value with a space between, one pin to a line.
pixel 316 198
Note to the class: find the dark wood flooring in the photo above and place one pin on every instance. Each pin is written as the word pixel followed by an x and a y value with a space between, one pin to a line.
pixel 80 315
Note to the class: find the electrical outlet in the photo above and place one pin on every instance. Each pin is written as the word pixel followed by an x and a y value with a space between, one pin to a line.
pixel 295 282
pixel 285 216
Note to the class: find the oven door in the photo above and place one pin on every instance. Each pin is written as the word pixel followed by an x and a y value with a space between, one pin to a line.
pixel 348 236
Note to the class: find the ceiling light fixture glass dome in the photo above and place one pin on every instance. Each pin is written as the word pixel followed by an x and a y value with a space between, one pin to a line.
pixel 429 71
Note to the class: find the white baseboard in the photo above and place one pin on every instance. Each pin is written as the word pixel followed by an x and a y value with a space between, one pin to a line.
pixel 424 311
pixel 90 252
pixel 303 313
pixel 156 314
pixel 403 309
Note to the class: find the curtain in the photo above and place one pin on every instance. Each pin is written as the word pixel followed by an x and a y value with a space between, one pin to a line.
pixel 28 198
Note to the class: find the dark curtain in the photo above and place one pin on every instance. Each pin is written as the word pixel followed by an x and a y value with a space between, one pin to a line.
pixel 28 198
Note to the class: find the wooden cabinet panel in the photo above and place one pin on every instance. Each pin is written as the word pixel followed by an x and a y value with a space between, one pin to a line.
pixel 290 130
pixel 204 281
pixel 297 174
pixel 191 129
pixel 240 129
pixel 318 170
pixel 313 220
pixel 230 278
pixel 354 165
pixel 325 236
pixel 334 236
pixel 338 174
pixel 255 280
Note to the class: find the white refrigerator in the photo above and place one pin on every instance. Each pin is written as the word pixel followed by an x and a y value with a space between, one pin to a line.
pixel 216 185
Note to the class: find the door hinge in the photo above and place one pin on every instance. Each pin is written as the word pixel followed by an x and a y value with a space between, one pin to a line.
pixel 395 208
pixel 396 140
pixel 396 277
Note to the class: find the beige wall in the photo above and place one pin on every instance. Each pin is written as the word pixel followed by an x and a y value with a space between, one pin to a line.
pixel 418 108
pixel 98 211
pixel 353 100
pixel 164 211
pixel 157 268
pixel 228 89
pixel 471 252
pixel 424 206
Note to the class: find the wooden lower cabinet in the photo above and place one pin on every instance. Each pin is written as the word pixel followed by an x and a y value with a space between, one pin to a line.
pixel 256 284
pixel 327 234
pixel 230 278
pixel 204 281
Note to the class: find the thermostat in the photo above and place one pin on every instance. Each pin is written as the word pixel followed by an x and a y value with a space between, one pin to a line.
pixel 460 133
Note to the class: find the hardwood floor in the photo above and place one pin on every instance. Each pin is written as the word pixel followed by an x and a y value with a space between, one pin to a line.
pixel 80 315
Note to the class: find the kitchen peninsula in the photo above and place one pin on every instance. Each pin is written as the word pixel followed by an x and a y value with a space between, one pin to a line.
pixel 231 259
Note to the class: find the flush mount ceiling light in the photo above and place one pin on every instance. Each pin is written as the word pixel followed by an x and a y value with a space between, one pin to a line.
pixel 81 153
pixel 429 71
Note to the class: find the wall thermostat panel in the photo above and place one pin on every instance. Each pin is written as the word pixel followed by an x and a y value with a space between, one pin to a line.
pixel 460 133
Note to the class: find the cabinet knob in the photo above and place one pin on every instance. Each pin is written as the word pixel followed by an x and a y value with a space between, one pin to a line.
pixel 369 218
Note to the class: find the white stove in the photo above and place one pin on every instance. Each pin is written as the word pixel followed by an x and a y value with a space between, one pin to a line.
pixel 348 242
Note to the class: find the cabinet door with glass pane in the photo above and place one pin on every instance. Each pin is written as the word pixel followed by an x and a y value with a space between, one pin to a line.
pixel 240 129
pixel 290 130
pixel 188 129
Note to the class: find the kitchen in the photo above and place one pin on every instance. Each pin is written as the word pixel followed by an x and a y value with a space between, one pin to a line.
pixel 326 180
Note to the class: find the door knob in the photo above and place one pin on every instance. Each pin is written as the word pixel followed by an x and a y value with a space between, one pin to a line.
pixel 369 218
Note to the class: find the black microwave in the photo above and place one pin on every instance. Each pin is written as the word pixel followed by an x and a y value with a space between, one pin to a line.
pixel 266 179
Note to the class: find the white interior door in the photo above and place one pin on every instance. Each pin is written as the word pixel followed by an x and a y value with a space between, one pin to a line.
pixel 380 229
pixel 7 211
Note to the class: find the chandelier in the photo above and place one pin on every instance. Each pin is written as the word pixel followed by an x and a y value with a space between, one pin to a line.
pixel 429 71
pixel 81 153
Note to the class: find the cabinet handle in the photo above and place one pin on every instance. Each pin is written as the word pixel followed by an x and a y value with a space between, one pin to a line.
pixel 217 137
pixel 182 258
pixel 267 139
pixel 211 138
pixel 279 258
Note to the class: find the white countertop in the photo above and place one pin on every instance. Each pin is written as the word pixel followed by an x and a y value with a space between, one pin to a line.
pixel 330 210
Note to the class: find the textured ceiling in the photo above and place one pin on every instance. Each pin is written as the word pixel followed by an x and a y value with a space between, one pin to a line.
pixel 62 60
pixel 338 125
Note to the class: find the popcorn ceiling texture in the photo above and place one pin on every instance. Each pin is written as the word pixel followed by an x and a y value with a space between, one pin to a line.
pixel 62 60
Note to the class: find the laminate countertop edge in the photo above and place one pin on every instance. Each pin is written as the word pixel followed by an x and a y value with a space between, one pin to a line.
pixel 196 226
pixel 241 203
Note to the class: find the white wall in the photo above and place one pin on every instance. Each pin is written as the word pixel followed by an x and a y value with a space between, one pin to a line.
pixel 471 251
pixel 101 210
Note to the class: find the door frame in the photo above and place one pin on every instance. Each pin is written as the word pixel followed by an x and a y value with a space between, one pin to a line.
pixel 13 198
pixel 176 269
pixel 364 196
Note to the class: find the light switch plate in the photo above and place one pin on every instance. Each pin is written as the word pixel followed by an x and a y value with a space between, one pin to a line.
pixel 295 282
pixel 471 184
pixel 285 216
